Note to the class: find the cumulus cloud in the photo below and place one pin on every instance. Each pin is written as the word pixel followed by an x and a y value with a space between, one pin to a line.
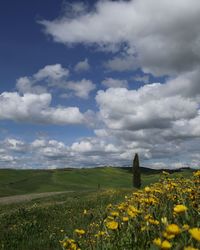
pixel 142 109
pixel 114 83
pixel 45 153
pixel 15 145
pixel 53 77
pixel 157 120
pixel 52 72
pixel 160 121
pixel 92 145
pixel 82 66
pixel 90 152
pixel 35 108
pixel 26 85
pixel 163 35
pixel 121 63
pixel 50 75
pixel 6 159
pixel 81 88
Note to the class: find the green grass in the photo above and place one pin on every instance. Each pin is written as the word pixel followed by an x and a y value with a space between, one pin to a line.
pixel 36 224
pixel 14 182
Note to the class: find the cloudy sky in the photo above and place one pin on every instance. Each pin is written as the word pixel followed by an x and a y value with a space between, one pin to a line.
pixel 90 83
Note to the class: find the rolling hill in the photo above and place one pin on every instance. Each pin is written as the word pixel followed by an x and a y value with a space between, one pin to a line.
pixel 15 182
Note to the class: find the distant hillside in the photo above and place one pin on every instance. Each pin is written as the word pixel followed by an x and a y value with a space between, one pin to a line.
pixel 13 182
pixel 145 170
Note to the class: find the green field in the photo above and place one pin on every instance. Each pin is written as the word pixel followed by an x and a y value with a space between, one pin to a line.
pixel 38 224
pixel 16 182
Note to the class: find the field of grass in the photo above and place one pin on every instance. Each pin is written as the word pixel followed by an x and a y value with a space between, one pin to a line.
pixel 41 223
pixel 38 225
pixel 16 182
pixel 164 215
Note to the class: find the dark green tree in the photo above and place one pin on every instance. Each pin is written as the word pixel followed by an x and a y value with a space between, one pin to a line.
pixel 136 172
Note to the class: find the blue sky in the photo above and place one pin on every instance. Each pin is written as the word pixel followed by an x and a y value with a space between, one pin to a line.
pixel 90 83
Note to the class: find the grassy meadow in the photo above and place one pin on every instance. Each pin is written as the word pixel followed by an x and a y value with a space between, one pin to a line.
pixel 16 182
pixel 91 207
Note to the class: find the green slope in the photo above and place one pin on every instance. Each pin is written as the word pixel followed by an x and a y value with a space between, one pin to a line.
pixel 13 182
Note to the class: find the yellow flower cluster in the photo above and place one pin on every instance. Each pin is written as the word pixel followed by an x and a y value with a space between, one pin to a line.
pixel 180 209
pixel 162 244
pixel 164 215
pixel 79 231
pixel 69 244
pixel 195 232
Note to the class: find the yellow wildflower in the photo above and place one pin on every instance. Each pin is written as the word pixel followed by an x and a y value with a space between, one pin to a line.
pixel 153 222
pixel 157 242
pixel 144 228
pixel 147 189
pixel 112 225
pixel 190 248
pixel 173 229
pixel 69 244
pixel 166 245
pixel 125 218
pixel 164 220
pixel 197 173
pixel 114 213
pixel 146 217
pixel 163 245
pixel 186 227
pixel 132 211
pixel 109 206
pixel 79 231
pixel 168 236
pixel 195 232
pixel 180 208
pixel 121 206
pixel 100 234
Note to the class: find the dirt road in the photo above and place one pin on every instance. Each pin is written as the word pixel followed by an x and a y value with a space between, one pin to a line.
pixel 27 197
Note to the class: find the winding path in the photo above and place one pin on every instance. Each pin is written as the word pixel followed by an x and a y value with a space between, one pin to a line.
pixel 27 197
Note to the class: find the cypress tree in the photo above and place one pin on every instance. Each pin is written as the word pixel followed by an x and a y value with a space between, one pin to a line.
pixel 136 172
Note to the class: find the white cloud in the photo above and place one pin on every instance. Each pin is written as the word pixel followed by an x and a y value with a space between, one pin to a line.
pixel 15 145
pixel 6 158
pixel 51 149
pixel 82 66
pixel 26 85
pixel 49 76
pixel 53 77
pixel 35 108
pixel 82 88
pixel 52 72
pixel 83 146
pixel 94 147
pixel 101 133
pixel 163 35
pixel 38 143
pixel 136 109
pixel 90 152
pixel 159 121
pixel 115 83
pixel 121 63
